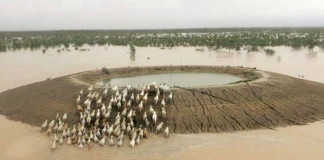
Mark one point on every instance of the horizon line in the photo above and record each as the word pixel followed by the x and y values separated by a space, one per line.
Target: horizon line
pixel 169 29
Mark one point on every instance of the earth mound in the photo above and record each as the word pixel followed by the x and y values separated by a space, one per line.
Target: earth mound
pixel 261 100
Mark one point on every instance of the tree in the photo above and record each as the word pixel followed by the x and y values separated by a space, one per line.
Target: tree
pixel 132 52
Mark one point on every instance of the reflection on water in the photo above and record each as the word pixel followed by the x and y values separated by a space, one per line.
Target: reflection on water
pixel 312 55
pixel 174 79
pixel 25 142
pixel 132 56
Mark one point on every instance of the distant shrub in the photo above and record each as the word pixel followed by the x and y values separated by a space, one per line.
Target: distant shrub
pixel 105 70
pixel 269 52
pixel 254 49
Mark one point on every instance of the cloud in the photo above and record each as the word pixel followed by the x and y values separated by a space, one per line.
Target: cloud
pixel 129 14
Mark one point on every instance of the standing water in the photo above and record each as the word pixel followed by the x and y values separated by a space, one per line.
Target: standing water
pixel 297 142
pixel 25 66
pixel 174 79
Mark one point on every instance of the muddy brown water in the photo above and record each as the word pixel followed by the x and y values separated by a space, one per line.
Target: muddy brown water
pixel 181 79
pixel 21 141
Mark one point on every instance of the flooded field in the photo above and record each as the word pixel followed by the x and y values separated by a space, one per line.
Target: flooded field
pixel 174 79
pixel 24 67
pixel 296 142
pixel 21 141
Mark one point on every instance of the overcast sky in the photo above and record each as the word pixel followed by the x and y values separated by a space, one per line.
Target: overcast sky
pixel 145 14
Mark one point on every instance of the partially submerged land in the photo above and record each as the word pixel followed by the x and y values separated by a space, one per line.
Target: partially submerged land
pixel 250 39
pixel 263 100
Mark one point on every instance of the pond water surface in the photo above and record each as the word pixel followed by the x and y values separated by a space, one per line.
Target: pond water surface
pixel 174 79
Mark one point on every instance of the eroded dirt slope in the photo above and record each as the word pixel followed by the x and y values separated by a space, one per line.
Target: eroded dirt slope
pixel 277 101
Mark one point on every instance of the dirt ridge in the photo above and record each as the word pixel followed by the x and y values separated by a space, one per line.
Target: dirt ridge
pixel 278 100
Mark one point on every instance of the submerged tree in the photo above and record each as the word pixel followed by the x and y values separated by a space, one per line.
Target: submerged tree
pixel 212 38
pixel 269 52
pixel 3 47
pixel 132 52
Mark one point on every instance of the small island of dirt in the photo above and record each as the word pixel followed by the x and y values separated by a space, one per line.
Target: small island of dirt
pixel 261 100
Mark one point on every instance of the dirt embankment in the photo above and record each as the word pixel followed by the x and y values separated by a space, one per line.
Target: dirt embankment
pixel 278 100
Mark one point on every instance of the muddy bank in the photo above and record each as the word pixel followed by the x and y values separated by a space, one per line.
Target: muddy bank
pixel 256 102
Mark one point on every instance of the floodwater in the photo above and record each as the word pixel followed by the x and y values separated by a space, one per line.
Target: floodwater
pixel 174 79
pixel 21 141
pixel 25 67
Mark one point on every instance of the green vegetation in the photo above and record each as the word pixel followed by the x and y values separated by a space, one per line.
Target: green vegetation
pixel 231 38
pixel 132 52
pixel 132 48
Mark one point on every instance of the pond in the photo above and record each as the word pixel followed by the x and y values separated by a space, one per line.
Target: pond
pixel 174 79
